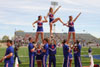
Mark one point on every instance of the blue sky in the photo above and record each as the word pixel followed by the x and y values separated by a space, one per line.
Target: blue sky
pixel 20 14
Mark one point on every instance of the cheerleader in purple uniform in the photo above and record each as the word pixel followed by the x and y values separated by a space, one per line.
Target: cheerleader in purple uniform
pixel 70 24
pixel 52 52
pixel 40 27
pixel 39 55
pixel 77 54
pixel 51 18
pixel 66 54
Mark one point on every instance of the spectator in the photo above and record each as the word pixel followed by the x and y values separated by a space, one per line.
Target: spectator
pixel 90 51
pixel 16 53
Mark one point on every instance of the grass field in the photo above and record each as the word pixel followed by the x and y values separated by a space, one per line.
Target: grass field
pixel 23 53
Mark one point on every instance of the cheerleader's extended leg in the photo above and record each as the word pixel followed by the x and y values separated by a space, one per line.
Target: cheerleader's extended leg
pixel 42 36
pixel 70 63
pixel 69 35
pixel 51 30
pixel 55 20
pixel 74 37
pixel 36 39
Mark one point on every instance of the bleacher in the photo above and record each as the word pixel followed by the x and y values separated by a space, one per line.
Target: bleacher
pixel 83 37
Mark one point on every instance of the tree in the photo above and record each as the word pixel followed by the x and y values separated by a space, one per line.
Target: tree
pixel 5 37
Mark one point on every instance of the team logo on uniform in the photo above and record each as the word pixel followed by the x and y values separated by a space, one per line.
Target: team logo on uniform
pixel 40 23
pixel 51 15
pixel 52 46
pixel 71 23
pixel 38 51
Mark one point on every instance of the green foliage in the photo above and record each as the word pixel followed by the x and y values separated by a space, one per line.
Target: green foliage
pixel 5 38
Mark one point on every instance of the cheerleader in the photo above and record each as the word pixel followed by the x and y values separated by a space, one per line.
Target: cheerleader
pixel 40 27
pixel 70 24
pixel 77 54
pixel 52 52
pixel 66 54
pixel 39 55
pixel 45 51
pixel 51 14
pixel 31 49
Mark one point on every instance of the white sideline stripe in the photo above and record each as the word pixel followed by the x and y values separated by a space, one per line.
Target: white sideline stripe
pixel 56 55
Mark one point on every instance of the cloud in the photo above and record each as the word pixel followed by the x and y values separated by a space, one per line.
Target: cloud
pixel 79 10
pixel 24 12
pixel 88 3
pixel 71 2
pixel 90 6
pixel 4 27
pixel 17 23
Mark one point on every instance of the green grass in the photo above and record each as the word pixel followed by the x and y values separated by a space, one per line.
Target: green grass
pixel 23 53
